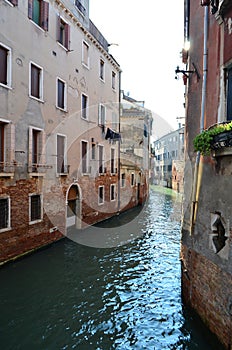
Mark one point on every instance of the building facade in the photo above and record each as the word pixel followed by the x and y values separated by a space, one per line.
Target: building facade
pixel 135 151
pixel 169 160
pixel 59 96
pixel 206 244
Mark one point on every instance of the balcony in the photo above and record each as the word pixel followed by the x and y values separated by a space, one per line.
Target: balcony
pixel 36 169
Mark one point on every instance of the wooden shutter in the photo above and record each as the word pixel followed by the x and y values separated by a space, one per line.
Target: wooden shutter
pixel 30 8
pixel 67 36
pixel 60 154
pixel 44 14
pixel 84 156
pixel 10 142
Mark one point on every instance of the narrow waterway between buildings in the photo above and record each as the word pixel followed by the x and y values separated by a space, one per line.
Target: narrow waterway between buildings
pixel 73 296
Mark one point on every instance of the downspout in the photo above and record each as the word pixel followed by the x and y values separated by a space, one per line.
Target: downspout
pixel 119 142
pixel 202 120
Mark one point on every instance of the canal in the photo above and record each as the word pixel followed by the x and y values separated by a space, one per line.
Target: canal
pixel 87 295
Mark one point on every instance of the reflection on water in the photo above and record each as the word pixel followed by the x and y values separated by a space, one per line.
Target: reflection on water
pixel 72 296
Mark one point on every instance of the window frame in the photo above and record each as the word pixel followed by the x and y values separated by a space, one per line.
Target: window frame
pixel 3 229
pixel 102 70
pixel 85 50
pixel 8 67
pixel 113 80
pixel 40 98
pixel 123 180
pixel 65 166
pixel 31 222
pixel 87 157
pixel 84 111
pixel 100 161
pixel 103 195
pixel 64 108
pixel 101 117
pixel 112 161
pixel 132 179
pixel 113 186
pixel 43 14
pixel 65 42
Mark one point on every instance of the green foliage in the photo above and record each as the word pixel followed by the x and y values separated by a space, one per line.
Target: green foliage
pixel 202 142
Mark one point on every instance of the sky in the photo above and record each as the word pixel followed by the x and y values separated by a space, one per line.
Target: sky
pixel 149 35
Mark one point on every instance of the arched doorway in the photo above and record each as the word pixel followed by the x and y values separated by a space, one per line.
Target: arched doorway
pixel 73 217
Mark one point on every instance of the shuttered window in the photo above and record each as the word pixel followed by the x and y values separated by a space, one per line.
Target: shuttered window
pixel 100 194
pixel 2 142
pixel 101 115
pixel 100 159
pixel 63 32
pixel 7 146
pixel 112 161
pixel 38 12
pixel 112 192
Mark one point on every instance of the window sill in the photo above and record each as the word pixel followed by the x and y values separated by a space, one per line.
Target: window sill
pixel 62 46
pixel 5 174
pixel 86 119
pixel 9 3
pixel 36 99
pixel 62 109
pixel 36 174
pixel 5 229
pixel 8 87
pixel 102 80
pixel 85 65
pixel 37 25
pixel 35 222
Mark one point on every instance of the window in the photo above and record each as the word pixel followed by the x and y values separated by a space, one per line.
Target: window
pixel 80 7
pixel 61 97
pixel 101 115
pixel 35 207
pixel 84 151
pixel 132 179
pixel 123 180
pixel 112 192
pixel 38 12
pixel 100 194
pixel 7 146
pixel 112 161
pixel 229 94
pixel 63 32
pixel 61 155
pixel 84 106
pixel 4 213
pixel 93 150
pixel 113 80
pixel 100 159
pixel 114 121
pixel 102 70
pixel 36 149
pixel 5 64
pixel 85 54
pixel 36 81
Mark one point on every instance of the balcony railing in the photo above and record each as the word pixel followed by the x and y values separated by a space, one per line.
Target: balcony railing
pixel 38 168
pixel 6 168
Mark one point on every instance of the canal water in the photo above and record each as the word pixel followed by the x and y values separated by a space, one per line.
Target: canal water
pixel 125 296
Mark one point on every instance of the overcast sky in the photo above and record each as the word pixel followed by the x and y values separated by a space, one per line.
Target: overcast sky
pixel 150 38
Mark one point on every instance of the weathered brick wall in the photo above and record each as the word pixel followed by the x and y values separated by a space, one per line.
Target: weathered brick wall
pixel 23 237
pixel 207 289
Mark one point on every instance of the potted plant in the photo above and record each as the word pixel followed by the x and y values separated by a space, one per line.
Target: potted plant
pixel 213 138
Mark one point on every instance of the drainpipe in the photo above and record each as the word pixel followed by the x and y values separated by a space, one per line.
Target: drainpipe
pixel 202 120
pixel 119 142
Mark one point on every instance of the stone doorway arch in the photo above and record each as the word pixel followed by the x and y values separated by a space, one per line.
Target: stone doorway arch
pixel 73 207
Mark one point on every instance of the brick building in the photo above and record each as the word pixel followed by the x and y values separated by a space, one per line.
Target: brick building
pixel 59 97
pixel 206 244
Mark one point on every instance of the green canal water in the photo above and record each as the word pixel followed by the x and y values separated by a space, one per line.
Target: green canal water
pixel 124 296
